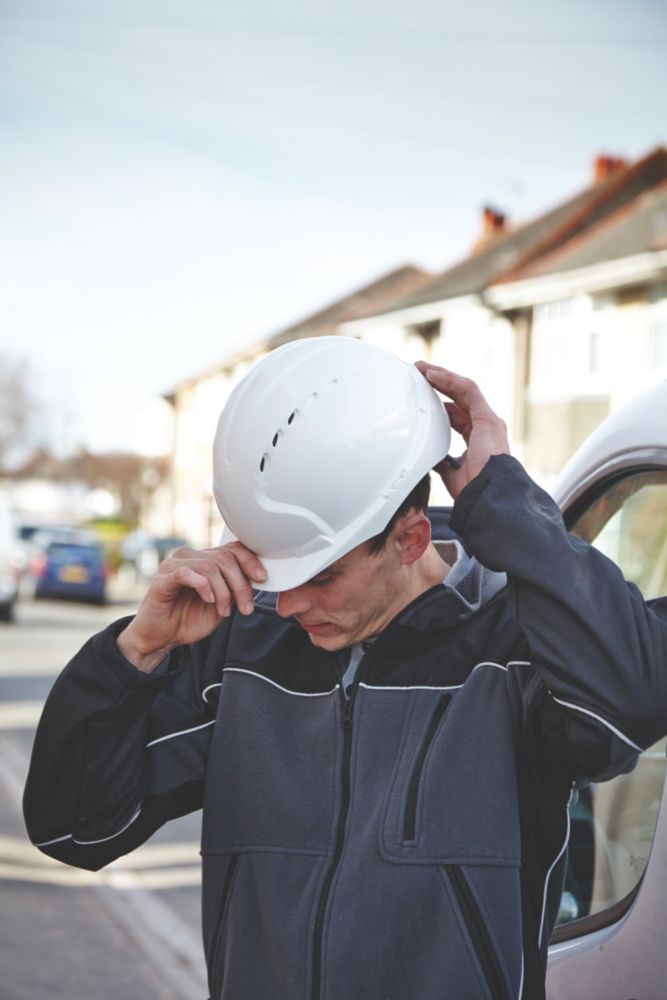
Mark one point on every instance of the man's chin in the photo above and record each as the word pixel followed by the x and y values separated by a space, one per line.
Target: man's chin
pixel 331 642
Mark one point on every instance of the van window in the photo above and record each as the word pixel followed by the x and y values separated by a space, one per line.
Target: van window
pixel 613 822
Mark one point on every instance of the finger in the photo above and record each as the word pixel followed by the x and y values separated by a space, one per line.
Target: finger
pixel 186 576
pixel 224 597
pixel 459 420
pixel 249 562
pixel 449 465
pixel 204 576
pixel 220 565
pixel 463 391
pixel 237 586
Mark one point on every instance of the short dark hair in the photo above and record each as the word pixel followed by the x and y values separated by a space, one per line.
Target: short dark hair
pixel 417 499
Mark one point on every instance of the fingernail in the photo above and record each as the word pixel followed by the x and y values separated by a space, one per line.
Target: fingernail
pixel 259 574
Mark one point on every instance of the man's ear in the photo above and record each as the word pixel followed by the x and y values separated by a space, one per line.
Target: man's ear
pixel 412 536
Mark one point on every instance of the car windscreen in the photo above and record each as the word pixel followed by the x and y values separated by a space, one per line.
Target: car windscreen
pixel 61 553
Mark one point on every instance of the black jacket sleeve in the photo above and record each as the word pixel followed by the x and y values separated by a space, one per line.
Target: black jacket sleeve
pixel 117 751
pixel 600 649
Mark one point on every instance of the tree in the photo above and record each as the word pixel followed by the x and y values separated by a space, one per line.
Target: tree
pixel 18 411
pixel 132 478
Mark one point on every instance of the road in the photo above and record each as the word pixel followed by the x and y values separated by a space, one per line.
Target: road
pixel 130 932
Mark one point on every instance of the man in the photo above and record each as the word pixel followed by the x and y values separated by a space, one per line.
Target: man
pixel 386 739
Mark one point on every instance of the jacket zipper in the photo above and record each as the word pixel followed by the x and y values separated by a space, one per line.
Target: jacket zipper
pixel 412 799
pixel 479 934
pixel 347 711
pixel 347 706
pixel 223 901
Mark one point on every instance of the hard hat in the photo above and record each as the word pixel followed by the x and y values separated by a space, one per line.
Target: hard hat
pixel 316 449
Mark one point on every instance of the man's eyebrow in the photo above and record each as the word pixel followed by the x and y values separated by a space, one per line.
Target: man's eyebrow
pixel 334 569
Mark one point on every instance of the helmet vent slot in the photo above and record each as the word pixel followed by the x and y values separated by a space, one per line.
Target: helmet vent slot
pixel 261 464
pixel 291 416
pixel 275 439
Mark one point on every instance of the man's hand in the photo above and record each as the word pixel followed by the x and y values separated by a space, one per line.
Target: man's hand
pixel 484 433
pixel 192 591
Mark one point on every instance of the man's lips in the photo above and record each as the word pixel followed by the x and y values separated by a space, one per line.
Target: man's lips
pixel 316 627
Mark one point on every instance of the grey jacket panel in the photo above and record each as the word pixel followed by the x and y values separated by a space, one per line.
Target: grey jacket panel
pixel 275 796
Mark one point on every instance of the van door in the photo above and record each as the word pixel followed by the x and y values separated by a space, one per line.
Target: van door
pixel 609 938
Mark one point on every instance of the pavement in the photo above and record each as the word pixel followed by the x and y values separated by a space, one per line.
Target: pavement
pixel 129 932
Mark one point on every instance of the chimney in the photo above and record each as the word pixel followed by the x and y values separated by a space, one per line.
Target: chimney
pixel 494 226
pixel 604 166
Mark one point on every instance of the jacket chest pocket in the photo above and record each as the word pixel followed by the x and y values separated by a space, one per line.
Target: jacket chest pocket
pixel 271 780
pixel 452 797
pixel 415 775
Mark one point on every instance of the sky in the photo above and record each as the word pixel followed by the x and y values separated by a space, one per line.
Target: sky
pixel 180 179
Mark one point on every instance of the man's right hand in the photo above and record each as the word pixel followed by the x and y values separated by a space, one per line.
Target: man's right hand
pixel 191 593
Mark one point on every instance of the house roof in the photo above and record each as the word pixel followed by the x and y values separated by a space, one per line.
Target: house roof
pixel 508 257
pixel 636 228
pixel 366 300
pixel 363 301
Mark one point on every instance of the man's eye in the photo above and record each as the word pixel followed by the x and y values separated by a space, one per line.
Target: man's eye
pixel 322 581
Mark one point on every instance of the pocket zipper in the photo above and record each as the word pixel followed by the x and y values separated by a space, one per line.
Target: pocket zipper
pixel 412 798
pixel 223 905
pixel 479 934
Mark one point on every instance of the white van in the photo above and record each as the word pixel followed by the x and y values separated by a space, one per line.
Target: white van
pixel 609 941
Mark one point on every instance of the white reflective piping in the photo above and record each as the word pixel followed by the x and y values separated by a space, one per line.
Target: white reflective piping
pixel 297 694
pixel 551 868
pixel 210 686
pixel 87 843
pixel 489 663
pixel 181 732
pixel 523 972
pixel 587 711
pixel 414 687
pixel 57 840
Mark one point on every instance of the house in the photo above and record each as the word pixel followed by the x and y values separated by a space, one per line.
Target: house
pixel 558 319
pixel 484 316
pixel 593 314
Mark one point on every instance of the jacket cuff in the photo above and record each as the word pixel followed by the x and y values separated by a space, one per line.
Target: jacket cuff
pixel 124 674
pixel 498 468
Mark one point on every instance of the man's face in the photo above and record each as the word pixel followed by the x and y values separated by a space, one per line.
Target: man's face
pixel 351 600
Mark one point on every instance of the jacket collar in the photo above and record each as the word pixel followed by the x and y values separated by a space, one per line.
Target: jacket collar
pixel 467 587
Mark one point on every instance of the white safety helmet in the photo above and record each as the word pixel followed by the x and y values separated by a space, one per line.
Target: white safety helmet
pixel 316 449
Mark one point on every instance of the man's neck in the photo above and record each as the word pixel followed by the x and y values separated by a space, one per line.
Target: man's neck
pixel 430 569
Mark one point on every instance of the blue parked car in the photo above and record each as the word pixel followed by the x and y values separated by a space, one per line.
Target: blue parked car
pixel 71 569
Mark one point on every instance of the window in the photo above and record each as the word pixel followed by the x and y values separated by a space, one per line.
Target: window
pixel 429 331
pixel 658 335
pixel 612 823
pixel 595 352
pixel 560 309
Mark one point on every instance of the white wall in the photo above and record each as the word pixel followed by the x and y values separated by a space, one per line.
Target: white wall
pixel 473 342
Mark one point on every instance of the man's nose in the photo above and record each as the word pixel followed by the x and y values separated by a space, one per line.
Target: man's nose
pixel 292 602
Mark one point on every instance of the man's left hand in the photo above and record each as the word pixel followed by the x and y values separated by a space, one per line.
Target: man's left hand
pixel 484 433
